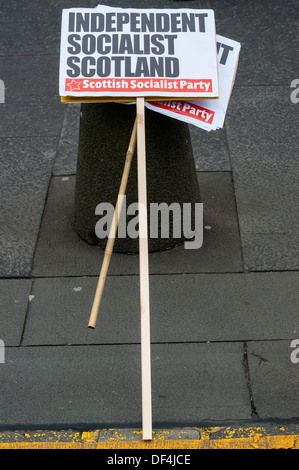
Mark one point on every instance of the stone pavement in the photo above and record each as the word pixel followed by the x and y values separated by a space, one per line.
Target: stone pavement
pixel 222 318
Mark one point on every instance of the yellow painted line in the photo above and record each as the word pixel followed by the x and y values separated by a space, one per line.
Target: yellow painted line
pixel 208 438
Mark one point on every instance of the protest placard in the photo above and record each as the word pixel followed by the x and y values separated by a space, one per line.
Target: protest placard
pixel 116 54
pixel 207 114
pixel 120 53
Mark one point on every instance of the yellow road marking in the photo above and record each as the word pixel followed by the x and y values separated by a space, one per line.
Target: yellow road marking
pixel 208 438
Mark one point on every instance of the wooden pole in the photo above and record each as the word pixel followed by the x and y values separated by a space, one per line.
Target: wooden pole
pixel 113 229
pixel 144 275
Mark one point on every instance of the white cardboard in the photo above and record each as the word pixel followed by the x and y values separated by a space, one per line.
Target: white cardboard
pixel 207 114
pixel 116 52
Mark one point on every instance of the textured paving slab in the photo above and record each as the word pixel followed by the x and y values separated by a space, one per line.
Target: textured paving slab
pixel 31 120
pixel 101 385
pixel 60 252
pixel 24 179
pixel 24 78
pixel 214 307
pixel 263 136
pixel 268 34
pixel 45 11
pixel 210 150
pixel 31 38
pixel 274 379
pixel 14 296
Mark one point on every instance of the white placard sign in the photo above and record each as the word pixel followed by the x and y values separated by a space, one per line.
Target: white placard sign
pixel 122 52
pixel 207 114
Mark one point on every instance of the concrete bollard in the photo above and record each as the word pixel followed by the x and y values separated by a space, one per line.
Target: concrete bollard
pixel 105 130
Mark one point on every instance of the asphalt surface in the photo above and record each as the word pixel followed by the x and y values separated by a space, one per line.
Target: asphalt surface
pixel 224 318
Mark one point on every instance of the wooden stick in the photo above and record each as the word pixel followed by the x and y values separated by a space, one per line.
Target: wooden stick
pixel 144 275
pixel 113 229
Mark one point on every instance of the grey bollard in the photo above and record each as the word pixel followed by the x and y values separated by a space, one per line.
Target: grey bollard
pixel 105 130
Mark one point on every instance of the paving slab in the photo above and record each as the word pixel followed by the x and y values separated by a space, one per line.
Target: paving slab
pixel 24 38
pixel 46 11
pixel 184 308
pixel 210 149
pixel 30 120
pixel 24 179
pixel 60 309
pixel 274 378
pixel 264 145
pixel 24 78
pixel 60 252
pixel 268 35
pixel 100 385
pixel 14 294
